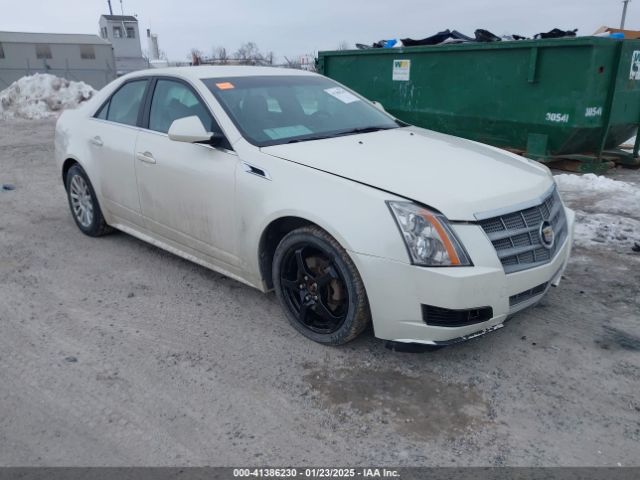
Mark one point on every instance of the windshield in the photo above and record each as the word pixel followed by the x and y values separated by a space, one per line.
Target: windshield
pixel 271 110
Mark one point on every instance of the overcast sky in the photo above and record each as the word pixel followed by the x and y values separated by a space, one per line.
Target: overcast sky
pixel 294 27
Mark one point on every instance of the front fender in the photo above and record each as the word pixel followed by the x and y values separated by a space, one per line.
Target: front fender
pixel 354 214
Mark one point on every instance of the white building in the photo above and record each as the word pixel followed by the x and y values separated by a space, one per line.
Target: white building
pixel 123 33
pixel 79 57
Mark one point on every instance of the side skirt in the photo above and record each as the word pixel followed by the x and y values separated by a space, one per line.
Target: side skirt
pixel 176 250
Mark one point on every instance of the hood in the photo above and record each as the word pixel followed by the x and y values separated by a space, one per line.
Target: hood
pixel 458 177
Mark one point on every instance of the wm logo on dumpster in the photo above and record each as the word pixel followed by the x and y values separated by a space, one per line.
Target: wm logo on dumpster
pixel 401 70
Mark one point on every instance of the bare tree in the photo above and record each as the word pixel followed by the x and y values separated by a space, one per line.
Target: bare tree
pixel 195 56
pixel 344 45
pixel 219 55
pixel 295 63
pixel 249 54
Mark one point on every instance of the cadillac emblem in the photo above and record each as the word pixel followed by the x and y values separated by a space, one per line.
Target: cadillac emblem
pixel 547 235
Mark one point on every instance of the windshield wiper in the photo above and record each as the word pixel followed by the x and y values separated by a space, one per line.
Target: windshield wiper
pixel 352 131
pixel 307 139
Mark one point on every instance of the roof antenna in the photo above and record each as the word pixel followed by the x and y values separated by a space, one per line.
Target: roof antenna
pixel 110 9
pixel 124 27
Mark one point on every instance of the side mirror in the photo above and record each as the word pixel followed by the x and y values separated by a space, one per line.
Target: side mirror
pixel 378 105
pixel 189 129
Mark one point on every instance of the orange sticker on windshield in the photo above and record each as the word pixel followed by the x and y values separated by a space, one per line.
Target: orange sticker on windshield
pixel 224 85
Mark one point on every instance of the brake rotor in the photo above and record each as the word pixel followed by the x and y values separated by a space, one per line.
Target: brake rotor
pixel 336 294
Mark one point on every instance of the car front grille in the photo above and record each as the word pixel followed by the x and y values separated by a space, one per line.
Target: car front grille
pixel 516 235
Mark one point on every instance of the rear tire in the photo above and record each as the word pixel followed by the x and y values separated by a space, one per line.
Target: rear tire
pixel 83 203
pixel 319 287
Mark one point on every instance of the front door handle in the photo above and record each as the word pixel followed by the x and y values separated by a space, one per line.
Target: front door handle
pixel 146 157
pixel 97 141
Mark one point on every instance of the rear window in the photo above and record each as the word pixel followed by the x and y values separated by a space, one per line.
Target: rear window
pixel 102 113
pixel 125 103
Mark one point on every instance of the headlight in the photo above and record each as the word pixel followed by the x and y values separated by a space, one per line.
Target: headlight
pixel 428 236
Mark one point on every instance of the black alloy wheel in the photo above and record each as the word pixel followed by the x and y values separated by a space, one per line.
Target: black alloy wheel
pixel 319 287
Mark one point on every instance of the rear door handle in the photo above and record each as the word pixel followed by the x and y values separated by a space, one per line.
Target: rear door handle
pixel 146 157
pixel 97 141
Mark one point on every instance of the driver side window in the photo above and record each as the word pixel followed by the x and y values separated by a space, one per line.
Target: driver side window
pixel 173 100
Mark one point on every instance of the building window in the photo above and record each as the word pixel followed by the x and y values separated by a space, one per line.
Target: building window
pixel 103 32
pixel 131 32
pixel 43 51
pixel 87 52
pixel 1 51
pixel 117 32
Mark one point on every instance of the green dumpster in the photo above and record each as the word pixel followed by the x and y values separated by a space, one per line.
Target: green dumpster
pixel 569 98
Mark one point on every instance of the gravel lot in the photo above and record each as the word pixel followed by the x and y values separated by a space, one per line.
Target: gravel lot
pixel 113 352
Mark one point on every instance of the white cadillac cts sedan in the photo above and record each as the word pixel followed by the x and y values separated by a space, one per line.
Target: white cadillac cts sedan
pixel 286 180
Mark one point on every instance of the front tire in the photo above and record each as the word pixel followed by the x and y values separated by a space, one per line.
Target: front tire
pixel 83 203
pixel 319 287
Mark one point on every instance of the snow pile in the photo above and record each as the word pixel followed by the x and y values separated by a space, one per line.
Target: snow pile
pixel 42 95
pixel 590 181
pixel 606 210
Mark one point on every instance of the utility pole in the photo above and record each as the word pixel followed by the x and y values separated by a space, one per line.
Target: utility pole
pixel 110 9
pixel 624 13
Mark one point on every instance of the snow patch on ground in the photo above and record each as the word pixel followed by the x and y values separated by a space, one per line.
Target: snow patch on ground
pixel 42 95
pixel 606 229
pixel 590 181
pixel 607 210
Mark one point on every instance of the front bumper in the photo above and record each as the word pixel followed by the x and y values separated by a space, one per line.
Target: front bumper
pixel 397 290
